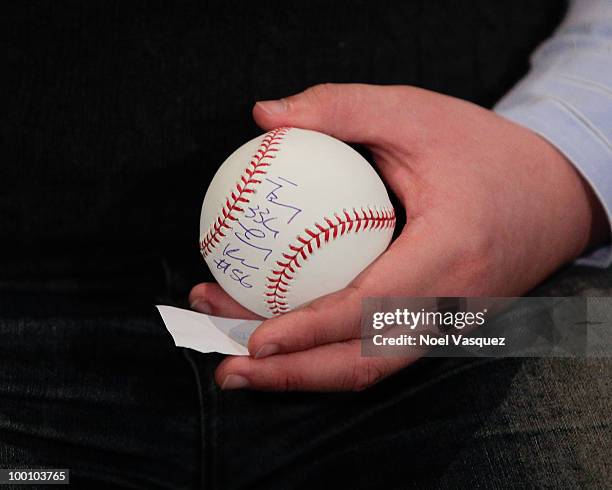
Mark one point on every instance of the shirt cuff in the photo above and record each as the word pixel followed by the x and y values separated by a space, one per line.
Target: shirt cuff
pixel 573 134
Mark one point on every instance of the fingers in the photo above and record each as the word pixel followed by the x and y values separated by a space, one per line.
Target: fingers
pixel 331 367
pixel 332 318
pixel 410 266
pixel 209 298
pixel 356 113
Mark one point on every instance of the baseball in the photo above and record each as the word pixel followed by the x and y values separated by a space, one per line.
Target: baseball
pixel 290 216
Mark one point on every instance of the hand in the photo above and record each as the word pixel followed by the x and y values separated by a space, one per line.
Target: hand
pixel 491 207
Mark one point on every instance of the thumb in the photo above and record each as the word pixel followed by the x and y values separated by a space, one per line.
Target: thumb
pixel 356 113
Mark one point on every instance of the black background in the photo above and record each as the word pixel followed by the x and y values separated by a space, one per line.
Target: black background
pixel 115 115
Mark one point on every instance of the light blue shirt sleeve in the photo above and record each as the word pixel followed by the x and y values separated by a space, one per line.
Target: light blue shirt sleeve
pixel 567 99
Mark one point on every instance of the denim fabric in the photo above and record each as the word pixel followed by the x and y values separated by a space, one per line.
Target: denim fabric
pixel 97 387
pixel 438 424
pixel 94 383
pixel 100 389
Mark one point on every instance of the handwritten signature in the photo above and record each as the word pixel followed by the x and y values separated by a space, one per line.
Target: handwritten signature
pixel 254 228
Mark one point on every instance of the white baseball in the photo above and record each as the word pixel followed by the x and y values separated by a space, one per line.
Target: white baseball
pixel 290 216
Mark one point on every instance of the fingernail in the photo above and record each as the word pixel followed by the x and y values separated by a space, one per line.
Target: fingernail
pixel 267 350
pixel 234 382
pixel 201 306
pixel 273 107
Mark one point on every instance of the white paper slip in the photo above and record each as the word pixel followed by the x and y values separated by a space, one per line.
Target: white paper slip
pixel 207 333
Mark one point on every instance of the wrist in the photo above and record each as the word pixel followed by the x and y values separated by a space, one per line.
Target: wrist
pixel 599 232
pixel 588 157
pixel 581 218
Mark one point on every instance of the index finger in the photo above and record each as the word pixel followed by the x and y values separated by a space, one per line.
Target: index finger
pixel 332 318
pixel 412 266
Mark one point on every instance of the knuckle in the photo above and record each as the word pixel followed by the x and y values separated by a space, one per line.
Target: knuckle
pixel 365 374
pixel 473 242
pixel 198 291
pixel 317 336
pixel 322 91
pixel 314 334
pixel 289 382
pixel 326 98
pixel 474 259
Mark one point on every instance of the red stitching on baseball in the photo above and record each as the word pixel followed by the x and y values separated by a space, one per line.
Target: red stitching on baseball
pixel 282 275
pixel 238 196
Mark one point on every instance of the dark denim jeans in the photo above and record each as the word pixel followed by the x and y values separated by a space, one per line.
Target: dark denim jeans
pixel 98 387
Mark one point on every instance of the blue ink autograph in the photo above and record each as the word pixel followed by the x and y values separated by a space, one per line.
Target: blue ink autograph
pixel 250 234
pixel 234 273
pixel 256 224
pixel 232 253
pixel 272 197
